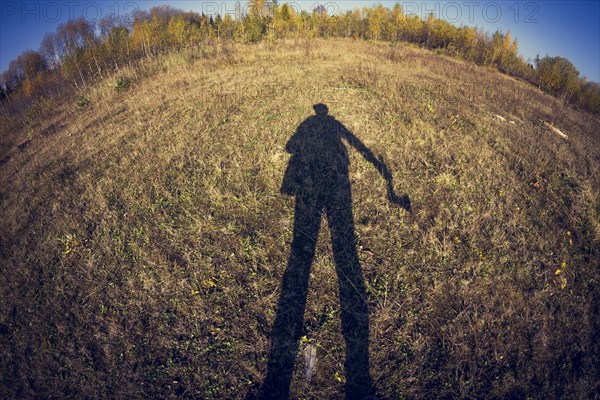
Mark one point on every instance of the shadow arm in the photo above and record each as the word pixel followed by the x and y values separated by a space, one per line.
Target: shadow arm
pixel 379 164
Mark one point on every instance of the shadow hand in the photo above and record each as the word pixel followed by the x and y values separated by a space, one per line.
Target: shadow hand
pixel 403 201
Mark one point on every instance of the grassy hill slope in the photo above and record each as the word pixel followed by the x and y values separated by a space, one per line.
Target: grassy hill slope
pixel 144 238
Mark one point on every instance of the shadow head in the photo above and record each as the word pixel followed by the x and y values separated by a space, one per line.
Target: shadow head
pixel 321 109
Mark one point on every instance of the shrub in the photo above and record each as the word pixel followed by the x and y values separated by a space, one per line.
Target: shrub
pixel 82 102
pixel 122 84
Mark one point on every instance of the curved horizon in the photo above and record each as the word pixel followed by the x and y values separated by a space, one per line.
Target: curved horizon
pixel 557 28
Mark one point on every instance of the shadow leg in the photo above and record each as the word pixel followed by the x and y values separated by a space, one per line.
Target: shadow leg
pixel 355 314
pixel 288 326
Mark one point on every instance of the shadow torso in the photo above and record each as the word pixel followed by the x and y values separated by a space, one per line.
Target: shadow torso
pixel 319 164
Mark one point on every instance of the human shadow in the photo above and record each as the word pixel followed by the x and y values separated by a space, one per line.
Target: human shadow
pixel 318 176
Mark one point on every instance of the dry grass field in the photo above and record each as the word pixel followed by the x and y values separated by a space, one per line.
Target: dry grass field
pixel 143 236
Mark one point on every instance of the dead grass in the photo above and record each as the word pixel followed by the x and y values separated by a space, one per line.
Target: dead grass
pixel 143 242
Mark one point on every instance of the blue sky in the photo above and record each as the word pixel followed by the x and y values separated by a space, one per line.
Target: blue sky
pixel 567 28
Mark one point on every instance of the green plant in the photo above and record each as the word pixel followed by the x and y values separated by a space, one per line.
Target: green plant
pixel 82 102
pixel 122 83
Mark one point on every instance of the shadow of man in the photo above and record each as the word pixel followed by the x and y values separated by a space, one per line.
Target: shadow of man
pixel 318 175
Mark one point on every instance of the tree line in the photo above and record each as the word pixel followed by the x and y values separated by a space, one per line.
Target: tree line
pixel 81 53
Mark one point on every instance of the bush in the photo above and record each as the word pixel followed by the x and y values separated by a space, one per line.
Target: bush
pixel 122 84
pixel 82 101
